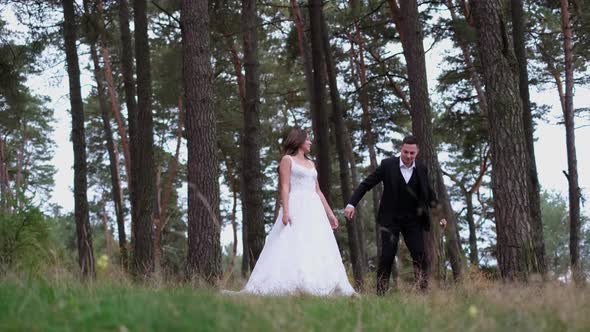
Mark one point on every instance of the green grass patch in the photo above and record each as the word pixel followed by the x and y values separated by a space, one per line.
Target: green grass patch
pixel 34 305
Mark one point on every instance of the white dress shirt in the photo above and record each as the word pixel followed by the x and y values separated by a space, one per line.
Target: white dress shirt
pixel 407 171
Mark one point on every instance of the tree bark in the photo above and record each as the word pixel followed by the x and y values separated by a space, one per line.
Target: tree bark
pixel 508 141
pixel 303 49
pixel 473 254
pixel 364 99
pixel 319 114
pixel 238 69
pixel 245 256
pixel 114 98
pixel 127 67
pixel 232 177
pixel 107 233
pixel 353 228
pixel 83 231
pixel 245 268
pixel 366 118
pixel 410 31
pixel 20 164
pixel 160 224
pixel 351 158
pixel 518 32
pixel 116 191
pixel 473 74
pixel 4 185
pixel 251 165
pixel 570 135
pixel 468 195
pixel 129 86
pixel 204 248
pixel 144 174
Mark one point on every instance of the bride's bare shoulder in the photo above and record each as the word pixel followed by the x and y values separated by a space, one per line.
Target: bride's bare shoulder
pixel 286 160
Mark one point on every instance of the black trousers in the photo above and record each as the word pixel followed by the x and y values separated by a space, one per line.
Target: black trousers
pixel 412 231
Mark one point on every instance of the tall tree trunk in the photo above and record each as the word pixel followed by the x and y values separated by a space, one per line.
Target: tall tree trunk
pixel 238 69
pixel 473 74
pixel 20 164
pixel 366 118
pixel 473 254
pixel 116 108
pixel 508 141
pixel 204 248
pixel 127 68
pixel 4 186
pixel 352 160
pixel 570 136
pixel 245 269
pixel 549 61
pixel 319 114
pixel 410 31
pixel 84 236
pixel 518 32
pixel 116 191
pixel 303 49
pixel 468 195
pixel 364 99
pixel 251 166
pixel 160 223
pixel 353 228
pixel 107 233
pixel 143 174
pixel 245 256
pixel 234 227
pixel 113 96
pixel 232 177
pixel 129 85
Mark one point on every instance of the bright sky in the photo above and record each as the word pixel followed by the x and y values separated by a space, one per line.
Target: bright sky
pixel 549 148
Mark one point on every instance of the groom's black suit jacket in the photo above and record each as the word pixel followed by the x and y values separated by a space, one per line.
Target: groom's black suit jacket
pixel 390 174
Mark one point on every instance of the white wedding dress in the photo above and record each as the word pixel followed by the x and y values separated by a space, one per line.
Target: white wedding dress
pixel 301 257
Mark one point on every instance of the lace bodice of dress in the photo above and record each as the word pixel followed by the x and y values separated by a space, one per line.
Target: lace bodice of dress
pixel 302 178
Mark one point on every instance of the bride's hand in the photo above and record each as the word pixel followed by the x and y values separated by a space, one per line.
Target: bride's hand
pixel 286 219
pixel 333 221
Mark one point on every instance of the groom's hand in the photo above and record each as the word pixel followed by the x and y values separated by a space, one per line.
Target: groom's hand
pixel 349 212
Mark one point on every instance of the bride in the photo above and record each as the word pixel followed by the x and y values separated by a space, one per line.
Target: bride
pixel 300 254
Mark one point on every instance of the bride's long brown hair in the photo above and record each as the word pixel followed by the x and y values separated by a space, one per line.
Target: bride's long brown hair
pixel 294 140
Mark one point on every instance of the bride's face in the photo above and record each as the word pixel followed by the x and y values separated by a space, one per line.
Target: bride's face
pixel 306 146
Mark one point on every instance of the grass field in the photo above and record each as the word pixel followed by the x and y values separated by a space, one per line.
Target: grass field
pixel 43 305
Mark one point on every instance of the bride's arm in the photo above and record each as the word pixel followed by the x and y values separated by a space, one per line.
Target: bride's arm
pixel 327 208
pixel 284 186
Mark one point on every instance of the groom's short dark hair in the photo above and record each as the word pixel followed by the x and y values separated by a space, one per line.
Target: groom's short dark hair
pixel 411 140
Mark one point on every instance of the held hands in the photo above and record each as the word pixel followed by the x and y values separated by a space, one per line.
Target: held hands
pixel 349 212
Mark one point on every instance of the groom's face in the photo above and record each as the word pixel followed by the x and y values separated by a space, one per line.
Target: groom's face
pixel 409 153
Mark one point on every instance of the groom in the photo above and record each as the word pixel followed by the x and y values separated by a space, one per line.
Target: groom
pixel 404 208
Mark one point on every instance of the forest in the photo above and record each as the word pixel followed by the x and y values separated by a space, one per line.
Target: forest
pixel 175 113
